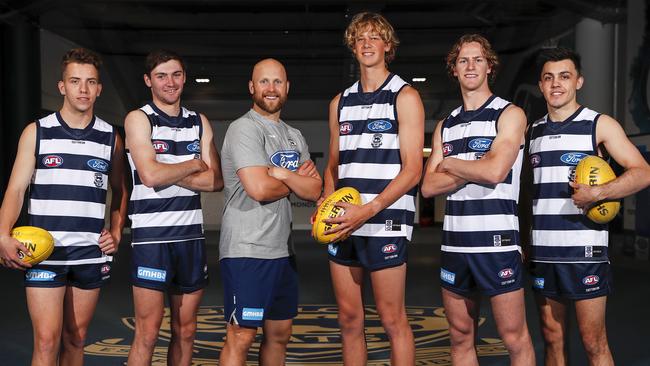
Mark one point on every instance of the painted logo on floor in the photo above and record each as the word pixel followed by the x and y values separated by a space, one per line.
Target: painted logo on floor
pixel 315 341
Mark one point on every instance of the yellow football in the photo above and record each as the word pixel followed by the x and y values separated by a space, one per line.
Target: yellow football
pixel 593 170
pixel 327 210
pixel 39 242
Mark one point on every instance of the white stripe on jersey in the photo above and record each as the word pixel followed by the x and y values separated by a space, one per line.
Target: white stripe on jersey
pixel 102 259
pixel 556 206
pixel 167 218
pixel 364 141
pixel 507 248
pixel 554 174
pixel 457 132
pixel 51 121
pixel 148 110
pixel 406 202
pixel 60 146
pixel 469 192
pixel 66 208
pixel 360 112
pixel 369 171
pixel 145 193
pixel 379 230
pixel 65 176
pixel 166 241
pixel 480 223
pixel 578 142
pixel 176 134
pixel 76 239
pixel 559 238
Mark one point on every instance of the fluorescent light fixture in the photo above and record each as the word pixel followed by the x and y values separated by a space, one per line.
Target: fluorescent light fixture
pixel 419 80
pixel 202 80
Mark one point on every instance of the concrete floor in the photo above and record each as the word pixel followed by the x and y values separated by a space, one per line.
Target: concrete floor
pixel 316 340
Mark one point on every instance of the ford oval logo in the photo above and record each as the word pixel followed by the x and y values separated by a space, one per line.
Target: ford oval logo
pixel 379 126
pixel 287 159
pixel 98 165
pixel 447 148
pixel 345 128
pixel 52 161
pixel 590 280
pixel 480 144
pixel 572 158
pixel 535 159
pixel 506 273
pixel 389 248
pixel 160 146
pixel 194 147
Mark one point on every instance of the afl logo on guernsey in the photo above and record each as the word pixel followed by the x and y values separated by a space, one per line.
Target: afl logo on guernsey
pixel 52 161
pixel 389 248
pixel 160 146
pixel 98 165
pixel 535 160
pixel 480 144
pixel 287 159
pixel 447 148
pixel 194 147
pixel 506 273
pixel 590 280
pixel 345 128
pixel 572 158
pixel 379 126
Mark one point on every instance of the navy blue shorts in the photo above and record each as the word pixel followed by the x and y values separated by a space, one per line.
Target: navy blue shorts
pixel 576 281
pixel 259 289
pixel 84 276
pixel 179 266
pixel 488 273
pixel 370 252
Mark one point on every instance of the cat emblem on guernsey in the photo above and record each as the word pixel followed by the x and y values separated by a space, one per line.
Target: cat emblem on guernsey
pixel 160 146
pixel 52 161
pixel 288 159
pixel 194 147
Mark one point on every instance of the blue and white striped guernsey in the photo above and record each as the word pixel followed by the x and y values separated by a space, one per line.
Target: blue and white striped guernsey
pixel 67 195
pixel 480 218
pixel 369 155
pixel 171 213
pixel 561 233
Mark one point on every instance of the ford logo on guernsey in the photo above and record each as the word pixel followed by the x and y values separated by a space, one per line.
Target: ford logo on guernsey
pixel 39 275
pixel 52 161
pixel 590 280
pixel 98 165
pixel 480 144
pixel 287 159
pixel 572 158
pixel 506 273
pixel 389 248
pixel 345 128
pixel 160 146
pixel 152 274
pixel 194 147
pixel 379 126
pixel 447 148
pixel 252 314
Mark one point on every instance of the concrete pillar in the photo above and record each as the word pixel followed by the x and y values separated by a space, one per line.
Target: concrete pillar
pixel 595 43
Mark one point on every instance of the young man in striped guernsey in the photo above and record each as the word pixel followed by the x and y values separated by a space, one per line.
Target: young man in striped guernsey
pixel 67 159
pixel 264 161
pixel 570 264
pixel 376 139
pixel 173 159
pixel 476 160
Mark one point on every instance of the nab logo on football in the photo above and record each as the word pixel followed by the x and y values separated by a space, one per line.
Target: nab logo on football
pixel 480 144
pixel 447 148
pixel 345 128
pixel 506 273
pixel 160 146
pixel 572 158
pixel 389 248
pixel 590 280
pixel 52 161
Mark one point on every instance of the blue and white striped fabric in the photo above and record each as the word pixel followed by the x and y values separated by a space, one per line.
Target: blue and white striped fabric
pixel 561 233
pixel 369 154
pixel 480 218
pixel 172 213
pixel 67 195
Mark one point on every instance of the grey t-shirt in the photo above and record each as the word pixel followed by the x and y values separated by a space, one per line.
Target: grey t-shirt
pixel 250 228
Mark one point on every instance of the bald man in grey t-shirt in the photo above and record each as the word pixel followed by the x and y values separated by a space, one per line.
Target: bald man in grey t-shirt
pixel 264 160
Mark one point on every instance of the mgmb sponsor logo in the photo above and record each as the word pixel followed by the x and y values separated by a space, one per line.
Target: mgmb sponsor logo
pixel 480 144
pixel 379 126
pixel 52 161
pixel 252 314
pixel 152 274
pixel 449 277
pixel 39 275
pixel 288 159
pixel 590 280
pixel 160 146
pixel 572 158
pixel 538 282
pixel 98 165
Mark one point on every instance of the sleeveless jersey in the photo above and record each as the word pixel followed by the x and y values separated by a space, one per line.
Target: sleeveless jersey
pixel 480 218
pixel 67 195
pixel 369 154
pixel 561 233
pixel 170 213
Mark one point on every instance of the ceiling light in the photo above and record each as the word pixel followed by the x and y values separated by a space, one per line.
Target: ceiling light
pixel 419 80
pixel 202 80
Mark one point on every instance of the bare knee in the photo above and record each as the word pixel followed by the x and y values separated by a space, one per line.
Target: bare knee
pixel 462 335
pixel 47 342
pixel 184 332
pixel 595 344
pixel 240 339
pixel 351 322
pixel 516 340
pixel 74 338
pixel 553 336
pixel 394 323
